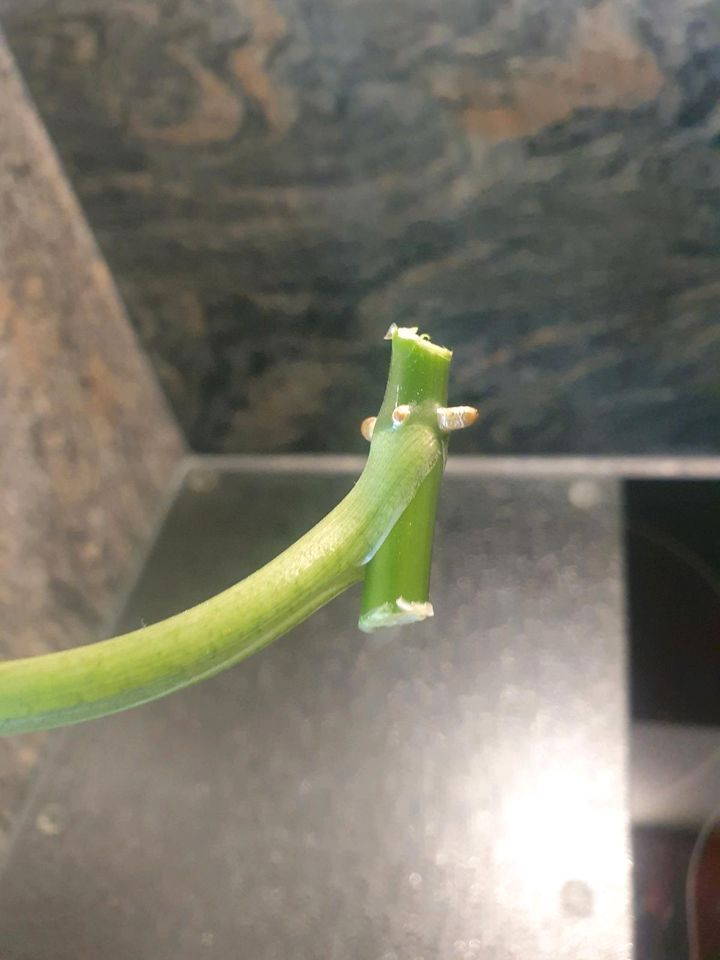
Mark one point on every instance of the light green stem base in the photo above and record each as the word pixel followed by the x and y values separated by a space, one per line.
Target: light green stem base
pixel 397 580
pixel 112 675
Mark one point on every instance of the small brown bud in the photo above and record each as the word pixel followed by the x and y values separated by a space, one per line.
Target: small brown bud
pixel 401 413
pixel 367 427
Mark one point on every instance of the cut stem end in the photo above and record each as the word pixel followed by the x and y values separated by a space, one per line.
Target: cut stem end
pixel 395 614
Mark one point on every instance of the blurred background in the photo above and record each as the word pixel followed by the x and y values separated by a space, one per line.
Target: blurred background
pixel 268 184
pixel 273 182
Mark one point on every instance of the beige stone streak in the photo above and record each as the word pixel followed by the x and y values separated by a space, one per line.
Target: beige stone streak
pixel 215 117
pixel 87 446
pixel 603 67
pixel 249 64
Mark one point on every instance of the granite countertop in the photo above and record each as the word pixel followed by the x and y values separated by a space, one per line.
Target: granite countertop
pixel 274 182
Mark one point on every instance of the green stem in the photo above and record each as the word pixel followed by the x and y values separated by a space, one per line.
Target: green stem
pixel 102 678
pixel 397 580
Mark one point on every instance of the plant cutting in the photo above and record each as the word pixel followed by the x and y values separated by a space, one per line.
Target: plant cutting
pixel 381 533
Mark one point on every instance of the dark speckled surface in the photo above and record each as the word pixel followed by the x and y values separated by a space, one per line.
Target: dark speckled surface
pixel 275 181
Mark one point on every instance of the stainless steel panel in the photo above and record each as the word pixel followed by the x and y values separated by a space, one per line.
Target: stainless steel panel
pixel 454 790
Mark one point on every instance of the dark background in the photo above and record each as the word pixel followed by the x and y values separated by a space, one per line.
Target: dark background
pixel 274 181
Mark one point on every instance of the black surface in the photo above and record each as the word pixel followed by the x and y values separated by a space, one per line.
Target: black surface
pixel 673 564
pixel 661 859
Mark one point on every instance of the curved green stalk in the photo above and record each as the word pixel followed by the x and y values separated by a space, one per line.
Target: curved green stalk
pixel 102 678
